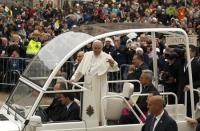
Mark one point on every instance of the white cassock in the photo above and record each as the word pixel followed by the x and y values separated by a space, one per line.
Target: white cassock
pixel 95 68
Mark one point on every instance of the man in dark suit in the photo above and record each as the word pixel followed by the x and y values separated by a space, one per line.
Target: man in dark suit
pixel 138 62
pixel 172 73
pixel 71 109
pixel 56 106
pixel 195 66
pixel 147 87
pixel 158 120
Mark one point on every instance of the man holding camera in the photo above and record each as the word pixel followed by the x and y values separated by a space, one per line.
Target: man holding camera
pixel 171 75
pixel 195 66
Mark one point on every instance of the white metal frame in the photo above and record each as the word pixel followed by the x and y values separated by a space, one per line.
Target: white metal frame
pixel 126 102
pixel 151 30
pixel 163 94
pixel 134 104
pixel 133 81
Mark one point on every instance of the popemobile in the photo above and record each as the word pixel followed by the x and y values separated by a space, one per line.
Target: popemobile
pixel 33 91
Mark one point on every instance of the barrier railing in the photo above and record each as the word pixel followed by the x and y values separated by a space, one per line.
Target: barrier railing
pixel 11 68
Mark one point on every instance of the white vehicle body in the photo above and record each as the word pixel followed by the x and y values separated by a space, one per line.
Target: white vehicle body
pixel 20 107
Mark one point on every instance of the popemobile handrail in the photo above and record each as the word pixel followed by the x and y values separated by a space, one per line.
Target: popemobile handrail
pixel 78 83
pixel 104 122
pixel 133 81
pixel 164 93
pixel 129 106
pixel 64 80
pixel 147 94
pixel 195 90
pixel 121 81
pixel 43 77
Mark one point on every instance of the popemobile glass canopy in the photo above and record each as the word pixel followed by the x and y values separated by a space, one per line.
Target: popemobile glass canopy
pixel 55 50
pixel 47 59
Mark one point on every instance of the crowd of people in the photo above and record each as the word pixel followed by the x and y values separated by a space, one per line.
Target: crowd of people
pixel 26 30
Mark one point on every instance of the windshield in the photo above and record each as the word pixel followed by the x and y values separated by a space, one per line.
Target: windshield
pixel 22 99
pixel 50 55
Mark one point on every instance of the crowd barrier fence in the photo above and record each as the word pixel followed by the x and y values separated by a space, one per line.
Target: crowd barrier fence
pixel 11 68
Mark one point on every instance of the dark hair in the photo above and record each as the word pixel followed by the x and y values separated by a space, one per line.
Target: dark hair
pixel 70 95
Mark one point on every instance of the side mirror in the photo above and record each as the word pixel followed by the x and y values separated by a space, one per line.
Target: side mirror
pixel 35 121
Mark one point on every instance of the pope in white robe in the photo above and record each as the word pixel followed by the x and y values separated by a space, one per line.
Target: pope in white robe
pixel 94 67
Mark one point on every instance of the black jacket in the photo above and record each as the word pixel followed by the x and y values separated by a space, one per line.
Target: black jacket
pixel 166 123
pixel 142 100
pixel 70 114
pixel 136 74
pixel 54 110
pixel 121 55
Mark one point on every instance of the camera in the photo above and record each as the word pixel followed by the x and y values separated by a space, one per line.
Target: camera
pixel 171 55
pixel 165 76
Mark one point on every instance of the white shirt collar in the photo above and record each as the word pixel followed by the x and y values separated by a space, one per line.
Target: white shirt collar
pixel 68 105
pixel 159 116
